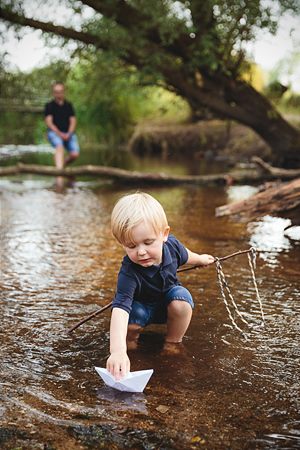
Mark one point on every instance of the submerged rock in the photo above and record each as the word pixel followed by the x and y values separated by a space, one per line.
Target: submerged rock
pixel 114 437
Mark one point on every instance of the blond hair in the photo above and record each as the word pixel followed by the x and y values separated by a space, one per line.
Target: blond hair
pixel 133 209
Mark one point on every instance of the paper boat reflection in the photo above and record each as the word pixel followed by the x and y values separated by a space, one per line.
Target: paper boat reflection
pixel 133 382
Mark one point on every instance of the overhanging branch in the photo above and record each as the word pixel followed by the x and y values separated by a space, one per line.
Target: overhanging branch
pixel 49 27
pixel 129 56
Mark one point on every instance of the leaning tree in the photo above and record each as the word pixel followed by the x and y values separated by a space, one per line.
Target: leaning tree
pixel 194 47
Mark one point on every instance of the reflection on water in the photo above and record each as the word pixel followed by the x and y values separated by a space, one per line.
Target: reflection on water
pixel 103 155
pixel 269 236
pixel 59 263
pixel 10 151
pixel 236 193
pixel 125 400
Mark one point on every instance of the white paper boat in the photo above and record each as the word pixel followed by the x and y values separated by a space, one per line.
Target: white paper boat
pixel 133 382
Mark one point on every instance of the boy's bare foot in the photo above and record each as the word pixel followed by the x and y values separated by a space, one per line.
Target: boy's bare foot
pixel 132 344
pixel 133 334
pixel 173 348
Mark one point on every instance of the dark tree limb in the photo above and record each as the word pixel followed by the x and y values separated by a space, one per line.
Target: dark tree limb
pixel 49 27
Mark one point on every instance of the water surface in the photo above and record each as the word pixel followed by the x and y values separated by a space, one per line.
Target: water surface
pixel 59 263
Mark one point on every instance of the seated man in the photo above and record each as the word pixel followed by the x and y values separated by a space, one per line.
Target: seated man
pixel 61 122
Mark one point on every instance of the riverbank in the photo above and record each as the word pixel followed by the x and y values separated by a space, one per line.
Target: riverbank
pixel 212 140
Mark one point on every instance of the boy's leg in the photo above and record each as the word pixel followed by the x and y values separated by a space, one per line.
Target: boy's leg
pixel 138 319
pixel 180 309
pixel 133 334
pixel 179 317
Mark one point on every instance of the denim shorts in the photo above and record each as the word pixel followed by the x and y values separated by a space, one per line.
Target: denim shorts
pixel 71 145
pixel 145 313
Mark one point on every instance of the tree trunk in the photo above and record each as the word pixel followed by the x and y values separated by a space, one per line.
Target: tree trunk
pixel 282 137
pixel 239 101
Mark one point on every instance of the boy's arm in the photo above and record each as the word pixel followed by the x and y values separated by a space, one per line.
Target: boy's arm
pixel 118 363
pixel 201 260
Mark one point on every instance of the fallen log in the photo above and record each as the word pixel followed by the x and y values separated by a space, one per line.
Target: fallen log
pixel 278 198
pixel 134 177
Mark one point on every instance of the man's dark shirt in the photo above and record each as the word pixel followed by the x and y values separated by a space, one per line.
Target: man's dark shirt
pixel 149 284
pixel 61 114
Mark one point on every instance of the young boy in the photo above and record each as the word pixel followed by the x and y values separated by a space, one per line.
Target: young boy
pixel 148 290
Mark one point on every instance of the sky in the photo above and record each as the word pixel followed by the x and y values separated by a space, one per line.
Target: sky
pixel 267 51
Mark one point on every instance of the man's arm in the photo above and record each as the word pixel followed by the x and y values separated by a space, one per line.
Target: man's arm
pixel 52 126
pixel 72 125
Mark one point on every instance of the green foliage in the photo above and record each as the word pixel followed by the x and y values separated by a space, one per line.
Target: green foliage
pixel 184 45
pixel 289 103
pixel 280 92
pixel 208 35
pixel 109 99
pixel 101 92
pixel 36 84
pixel 275 90
pixel 18 129
pixel 19 90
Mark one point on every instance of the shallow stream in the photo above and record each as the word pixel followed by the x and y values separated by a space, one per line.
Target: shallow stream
pixel 59 263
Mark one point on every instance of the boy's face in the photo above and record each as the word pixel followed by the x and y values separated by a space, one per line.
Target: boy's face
pixel 147 247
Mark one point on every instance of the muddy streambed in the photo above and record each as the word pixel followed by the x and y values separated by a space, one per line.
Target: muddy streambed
pixel 59 263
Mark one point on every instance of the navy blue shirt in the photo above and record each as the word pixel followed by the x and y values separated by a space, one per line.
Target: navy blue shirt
pixel 148 284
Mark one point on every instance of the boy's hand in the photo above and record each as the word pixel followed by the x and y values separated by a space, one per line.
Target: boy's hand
pixel 199 260
pixel 118 364
pixel 205 259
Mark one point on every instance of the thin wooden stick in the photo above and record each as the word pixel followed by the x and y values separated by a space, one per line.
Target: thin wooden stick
pixel 94 314
pixel 240 252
